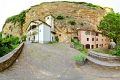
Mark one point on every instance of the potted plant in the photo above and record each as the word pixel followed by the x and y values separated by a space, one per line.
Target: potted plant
pixel 80 59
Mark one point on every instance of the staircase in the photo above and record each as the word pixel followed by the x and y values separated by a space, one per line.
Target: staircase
pixel 103 59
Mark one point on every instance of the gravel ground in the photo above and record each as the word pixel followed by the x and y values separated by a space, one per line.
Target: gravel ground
pixel 54 62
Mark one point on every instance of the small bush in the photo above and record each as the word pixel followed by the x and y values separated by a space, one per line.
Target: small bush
pixel 0 34
pixel 77 45
pixel 23 38
pixel 116 52
pixel 17 18
pixel 56 39
pixel 80 57
pixel 72 22
pixel 60 17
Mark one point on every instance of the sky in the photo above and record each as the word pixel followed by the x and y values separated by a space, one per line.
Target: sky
pixel 12 7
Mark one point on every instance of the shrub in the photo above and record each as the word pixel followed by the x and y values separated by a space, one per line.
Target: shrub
pixel 87 4
pixel 0 34
pixel 23 38
pixel 116 52
pixel 60 17
pixel 72 22
pixel 17 18
pixel 56 39
pixel 8 44
pixel 80 57
pixel 77 45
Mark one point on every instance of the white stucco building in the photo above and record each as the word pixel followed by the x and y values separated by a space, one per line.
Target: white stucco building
pixel 40 31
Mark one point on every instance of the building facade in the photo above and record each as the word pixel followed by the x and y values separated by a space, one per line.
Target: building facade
pixel 41 32
pixel 93 39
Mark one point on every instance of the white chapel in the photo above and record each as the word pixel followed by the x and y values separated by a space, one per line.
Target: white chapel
pixel 40 31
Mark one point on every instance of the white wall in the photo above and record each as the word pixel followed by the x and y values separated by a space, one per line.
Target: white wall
pixel 41 27
pixel 46 33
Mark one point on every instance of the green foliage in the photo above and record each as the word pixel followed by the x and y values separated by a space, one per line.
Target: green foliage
pixel 90 5
pixel 56 39
pixel 7 44
pixel 72 22
pixel 17 18
pixel 87 4
pixel 0 34
pixel 23 38
pixel 116 52
pixel 83 52
pixel 60 17
pixel 80 57
pixel 110 26
pixel 77 45
pixel 94 6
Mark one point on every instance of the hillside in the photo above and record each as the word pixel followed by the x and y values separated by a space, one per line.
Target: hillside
pixel 68 17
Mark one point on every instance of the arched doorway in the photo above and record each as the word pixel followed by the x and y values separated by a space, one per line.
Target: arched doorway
pixel 87 46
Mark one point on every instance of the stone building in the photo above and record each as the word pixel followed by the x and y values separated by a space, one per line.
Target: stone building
pixel 93 39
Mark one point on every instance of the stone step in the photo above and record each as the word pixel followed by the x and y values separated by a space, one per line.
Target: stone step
pixel 103 63
pixel 106 60
pixel 103 56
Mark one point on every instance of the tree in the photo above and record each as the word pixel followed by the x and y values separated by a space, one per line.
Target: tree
pixel 0 34
pixel 110 26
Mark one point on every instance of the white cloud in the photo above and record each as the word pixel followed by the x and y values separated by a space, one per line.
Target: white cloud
pixel 13 7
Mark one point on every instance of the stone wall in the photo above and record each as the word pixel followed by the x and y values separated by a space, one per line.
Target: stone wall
pixel 7 60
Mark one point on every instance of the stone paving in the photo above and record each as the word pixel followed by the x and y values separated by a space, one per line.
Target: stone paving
pixel 54 62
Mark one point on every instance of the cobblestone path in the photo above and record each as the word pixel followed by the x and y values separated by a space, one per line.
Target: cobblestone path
pixel 54 62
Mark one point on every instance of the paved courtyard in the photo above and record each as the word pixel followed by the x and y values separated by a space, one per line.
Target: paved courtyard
pixel 54 62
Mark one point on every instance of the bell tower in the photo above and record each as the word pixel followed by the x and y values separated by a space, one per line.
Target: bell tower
pixel 50 21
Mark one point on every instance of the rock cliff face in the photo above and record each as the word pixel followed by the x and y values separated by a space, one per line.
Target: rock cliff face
pixel 68 17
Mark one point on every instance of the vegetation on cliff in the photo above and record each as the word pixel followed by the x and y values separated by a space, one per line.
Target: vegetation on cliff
pixel 87 4
pixel 20 18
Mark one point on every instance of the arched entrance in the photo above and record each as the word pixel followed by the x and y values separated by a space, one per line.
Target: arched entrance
pixel 87 46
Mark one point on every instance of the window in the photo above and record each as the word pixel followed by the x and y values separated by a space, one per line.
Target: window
pixel 101 45
pixel 92 39
pixel 97 34
pixel 87 39
pixel 52 38
pixel 29 38
pixel 34 37
pixel 87 32
pixel 96 45
pixel 96 39
pixel 92 46
pixel 33 26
